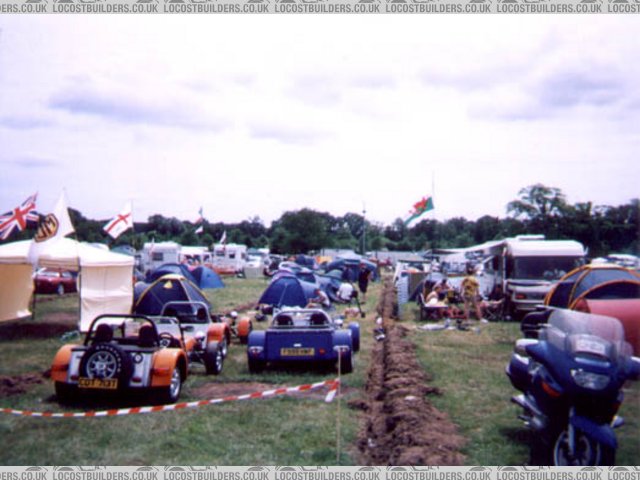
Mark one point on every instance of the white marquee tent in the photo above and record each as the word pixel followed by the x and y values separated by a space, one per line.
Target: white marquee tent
pixel 105 278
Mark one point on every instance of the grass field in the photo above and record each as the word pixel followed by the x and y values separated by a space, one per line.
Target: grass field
pixel 467 367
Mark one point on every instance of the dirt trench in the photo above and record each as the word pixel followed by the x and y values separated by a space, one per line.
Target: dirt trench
pixel 401 427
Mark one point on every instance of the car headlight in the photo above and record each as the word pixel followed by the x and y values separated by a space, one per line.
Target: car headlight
pixel 592 381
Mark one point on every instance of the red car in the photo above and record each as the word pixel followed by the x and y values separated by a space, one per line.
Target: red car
pixel 54 281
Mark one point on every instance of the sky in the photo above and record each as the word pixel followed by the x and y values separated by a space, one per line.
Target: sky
pixel 253 115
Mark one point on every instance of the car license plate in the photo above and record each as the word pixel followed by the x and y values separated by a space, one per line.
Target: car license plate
pixel 297 352
pixel 103 383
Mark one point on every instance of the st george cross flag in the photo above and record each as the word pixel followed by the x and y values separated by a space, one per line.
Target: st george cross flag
pixel 19 218
pixel 120 223
pixel 420 208
pixel 56 225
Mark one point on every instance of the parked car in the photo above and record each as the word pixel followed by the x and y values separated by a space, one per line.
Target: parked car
pixel 120 354
pixel 304 335
pixel 608 289
pixel 206 337
pixel 49 280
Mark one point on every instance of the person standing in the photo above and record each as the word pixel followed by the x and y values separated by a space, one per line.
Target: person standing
pixel 364 275
pixel 470 293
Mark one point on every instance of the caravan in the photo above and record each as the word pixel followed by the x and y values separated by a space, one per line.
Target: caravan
pixel 156 254
pixel 229 258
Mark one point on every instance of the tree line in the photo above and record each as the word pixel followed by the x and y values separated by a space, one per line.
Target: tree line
pixel 538 209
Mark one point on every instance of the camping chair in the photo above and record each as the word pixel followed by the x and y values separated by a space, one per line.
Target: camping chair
pixel 494 310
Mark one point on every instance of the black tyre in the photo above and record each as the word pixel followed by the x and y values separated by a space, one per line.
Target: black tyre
pixel 346 363
pixel 107 361
pixel 213 359
pixel 171 393
pixel 65 393
pixel 224 347
pixel 588 452
pixel 256 366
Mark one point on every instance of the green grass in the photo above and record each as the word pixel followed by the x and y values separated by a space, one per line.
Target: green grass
pixel 286 430
pixel 468 368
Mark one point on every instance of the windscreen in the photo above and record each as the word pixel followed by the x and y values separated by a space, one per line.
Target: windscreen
pixel 543 268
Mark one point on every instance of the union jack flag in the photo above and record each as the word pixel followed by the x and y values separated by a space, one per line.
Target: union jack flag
pixel 19 218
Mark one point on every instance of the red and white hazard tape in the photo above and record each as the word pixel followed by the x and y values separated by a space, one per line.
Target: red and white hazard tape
pixel 332 384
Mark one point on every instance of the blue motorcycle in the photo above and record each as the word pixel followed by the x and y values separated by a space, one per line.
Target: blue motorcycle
pixel 571 380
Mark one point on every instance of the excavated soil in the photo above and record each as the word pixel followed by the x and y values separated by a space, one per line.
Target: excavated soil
pixel 18 384
pixel 401 427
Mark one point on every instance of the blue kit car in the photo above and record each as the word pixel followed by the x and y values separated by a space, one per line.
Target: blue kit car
pixel 304 335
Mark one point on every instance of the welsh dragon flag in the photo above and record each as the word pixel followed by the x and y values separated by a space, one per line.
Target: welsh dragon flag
pixel 420 208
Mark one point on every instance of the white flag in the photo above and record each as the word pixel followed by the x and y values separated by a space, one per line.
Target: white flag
pixel 120 223
pixel 223 239
pixel 56 225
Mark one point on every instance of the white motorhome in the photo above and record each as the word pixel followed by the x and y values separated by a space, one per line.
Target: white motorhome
pixel 528 265
pixel 156 254
pixel 229 258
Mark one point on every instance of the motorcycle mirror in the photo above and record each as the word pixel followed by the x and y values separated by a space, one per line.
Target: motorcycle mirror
pixel 522 344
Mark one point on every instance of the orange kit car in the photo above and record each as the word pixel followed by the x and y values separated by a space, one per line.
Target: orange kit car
pixel 206 337
pixel 120 354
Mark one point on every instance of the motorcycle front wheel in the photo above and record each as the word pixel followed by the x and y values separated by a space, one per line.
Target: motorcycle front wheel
pixel 588 452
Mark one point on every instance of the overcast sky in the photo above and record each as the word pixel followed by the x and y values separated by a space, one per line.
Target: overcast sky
pixel 258 115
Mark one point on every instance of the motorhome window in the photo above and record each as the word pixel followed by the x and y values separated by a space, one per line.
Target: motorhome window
pixel 157 256
pixel 219 253
pixel 232 255
pixel 543 268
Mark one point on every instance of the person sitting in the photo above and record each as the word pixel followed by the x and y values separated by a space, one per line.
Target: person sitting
pixel 320 299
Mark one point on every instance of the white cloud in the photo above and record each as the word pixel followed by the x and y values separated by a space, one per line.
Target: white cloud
pixel 251 115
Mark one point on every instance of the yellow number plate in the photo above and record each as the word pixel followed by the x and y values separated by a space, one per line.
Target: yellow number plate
pixel 297 352
pixel 106 383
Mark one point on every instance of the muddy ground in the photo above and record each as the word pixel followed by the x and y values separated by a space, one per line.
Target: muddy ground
pixel 401 427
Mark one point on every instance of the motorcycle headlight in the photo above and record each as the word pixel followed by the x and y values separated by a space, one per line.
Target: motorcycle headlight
pixel 200 336
pixel 592 381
